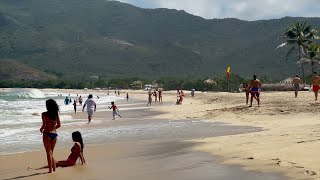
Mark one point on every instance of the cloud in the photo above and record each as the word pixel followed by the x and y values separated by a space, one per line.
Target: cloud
pixel 242 9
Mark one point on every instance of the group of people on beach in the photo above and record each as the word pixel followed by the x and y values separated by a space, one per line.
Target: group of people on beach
pixel 253 89
pixel 314 84
pixel 180 96
pixel 157 94
pixel 50 124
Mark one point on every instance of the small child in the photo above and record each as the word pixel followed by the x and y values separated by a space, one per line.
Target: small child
pixel 115 111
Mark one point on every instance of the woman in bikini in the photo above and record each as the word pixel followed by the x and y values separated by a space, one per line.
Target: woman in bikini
pixel 50 122
pixel 76 152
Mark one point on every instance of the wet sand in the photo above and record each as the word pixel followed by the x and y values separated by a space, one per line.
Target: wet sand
pixel 139 146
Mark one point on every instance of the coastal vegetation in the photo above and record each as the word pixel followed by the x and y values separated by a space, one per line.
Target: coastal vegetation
pixel 167 83
pixel 301 37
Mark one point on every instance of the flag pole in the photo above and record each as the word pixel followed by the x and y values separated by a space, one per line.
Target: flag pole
pixel 228 78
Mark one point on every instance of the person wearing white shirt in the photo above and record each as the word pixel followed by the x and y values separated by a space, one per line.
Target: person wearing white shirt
pixel 91 107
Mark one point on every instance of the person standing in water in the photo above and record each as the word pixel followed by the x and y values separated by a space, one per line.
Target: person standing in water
pixel 75 106
pixel 296 85
pixel 80 100
pixel 127 96
pixel 315 81
pixel 91 107
pixel 255 90
pixel 66 101
pixel 115 111
pixel 50 124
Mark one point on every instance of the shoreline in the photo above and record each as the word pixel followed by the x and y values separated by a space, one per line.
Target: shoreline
pixel 63 152
pixel 287 144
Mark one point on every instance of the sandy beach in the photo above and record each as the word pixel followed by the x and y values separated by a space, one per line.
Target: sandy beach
pixel 288 144
pixel 285 142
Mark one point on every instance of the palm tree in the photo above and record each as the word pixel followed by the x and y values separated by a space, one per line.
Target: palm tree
pixel 313 55
pixel 299 35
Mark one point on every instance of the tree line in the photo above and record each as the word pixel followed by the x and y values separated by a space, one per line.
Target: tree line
pixel 167 83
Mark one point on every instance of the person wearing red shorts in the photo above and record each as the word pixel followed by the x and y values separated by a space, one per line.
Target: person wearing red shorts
pixel 315 81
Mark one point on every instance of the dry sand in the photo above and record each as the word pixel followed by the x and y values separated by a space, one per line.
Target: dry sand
pixel 289 143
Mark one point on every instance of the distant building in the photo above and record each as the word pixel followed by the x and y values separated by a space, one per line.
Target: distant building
pixel 287 81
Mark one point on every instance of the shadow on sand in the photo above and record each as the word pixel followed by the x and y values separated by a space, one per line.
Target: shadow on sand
pixel 21 177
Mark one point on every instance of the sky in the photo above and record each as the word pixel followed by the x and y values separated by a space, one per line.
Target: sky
pixel 242 9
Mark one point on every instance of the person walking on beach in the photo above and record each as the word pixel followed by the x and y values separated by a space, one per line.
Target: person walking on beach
pixel 91 107
pixel 180 98
pixel 296 85
pixel 246 89
pixel 255 90
pixel 315 81
pixel 127 96
pixel 155 96
pixel 80 100
pixel 192 92
pixel 75 106
pixel 50 124
pixel 76 152
pixel 115 111
pixel 149 98
pixel 160 95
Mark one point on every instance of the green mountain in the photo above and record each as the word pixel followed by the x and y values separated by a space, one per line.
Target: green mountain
pixel 12 70
pixel 78 38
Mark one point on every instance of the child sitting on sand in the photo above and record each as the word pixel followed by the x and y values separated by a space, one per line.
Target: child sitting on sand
pixel 76 152
pixel 115 111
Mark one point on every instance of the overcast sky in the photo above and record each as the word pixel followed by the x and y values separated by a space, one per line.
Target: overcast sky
pixel 242 9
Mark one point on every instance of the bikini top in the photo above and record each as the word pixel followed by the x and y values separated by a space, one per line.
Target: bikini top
pixel 75 153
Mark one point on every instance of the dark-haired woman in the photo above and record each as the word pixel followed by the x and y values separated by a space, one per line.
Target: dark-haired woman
pixel 50 122
pixel 76 152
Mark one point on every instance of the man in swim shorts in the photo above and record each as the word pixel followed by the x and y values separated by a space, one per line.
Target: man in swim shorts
pixel 255 90
pixel 296 85
pixel 315 81
pixel 91 107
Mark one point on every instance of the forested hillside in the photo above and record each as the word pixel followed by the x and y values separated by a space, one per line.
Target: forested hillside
pixel 77 38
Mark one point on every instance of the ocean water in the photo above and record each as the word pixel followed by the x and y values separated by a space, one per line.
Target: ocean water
pixel 20 121
pixel 20 117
